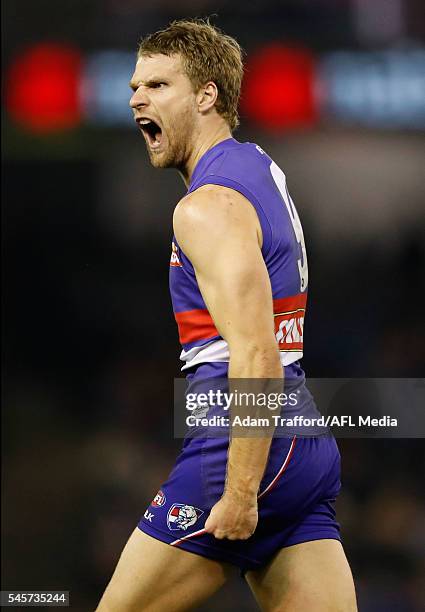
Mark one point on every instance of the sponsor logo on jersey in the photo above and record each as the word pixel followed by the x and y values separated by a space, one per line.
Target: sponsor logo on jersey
pixel 289 313
pixel 182 516
pixel 289 331
pixel 159 499
pixel 175 261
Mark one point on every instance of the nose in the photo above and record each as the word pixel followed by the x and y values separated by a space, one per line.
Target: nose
pixel 138 99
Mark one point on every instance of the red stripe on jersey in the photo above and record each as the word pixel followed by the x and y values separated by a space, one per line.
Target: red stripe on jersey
pixel 195 325
pixel 288 316
pixel 289 304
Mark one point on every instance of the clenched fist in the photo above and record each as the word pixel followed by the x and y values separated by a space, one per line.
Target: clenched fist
pixel 234 518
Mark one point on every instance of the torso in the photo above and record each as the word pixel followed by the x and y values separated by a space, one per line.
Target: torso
pixel 246 168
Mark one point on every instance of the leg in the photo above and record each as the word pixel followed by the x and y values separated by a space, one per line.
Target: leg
pixel 313 576
pixel 152 576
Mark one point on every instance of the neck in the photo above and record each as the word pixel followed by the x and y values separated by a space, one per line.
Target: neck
pixel 202 144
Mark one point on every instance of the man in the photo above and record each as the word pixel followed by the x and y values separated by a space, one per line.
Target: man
pixel 238 280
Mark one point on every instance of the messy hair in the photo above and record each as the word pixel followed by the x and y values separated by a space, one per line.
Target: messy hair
pixel 207 55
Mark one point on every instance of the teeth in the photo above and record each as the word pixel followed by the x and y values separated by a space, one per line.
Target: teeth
pixel 145 121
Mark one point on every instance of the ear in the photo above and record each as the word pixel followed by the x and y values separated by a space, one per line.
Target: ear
pixel 207 97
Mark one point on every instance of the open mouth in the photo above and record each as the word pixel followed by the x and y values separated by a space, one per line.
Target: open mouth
pixel 152 132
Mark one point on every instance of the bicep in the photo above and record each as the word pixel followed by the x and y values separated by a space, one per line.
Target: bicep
pixel 221 241
pixel 236 289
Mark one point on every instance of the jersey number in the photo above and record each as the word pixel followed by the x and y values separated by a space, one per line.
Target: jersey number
pixel 280 180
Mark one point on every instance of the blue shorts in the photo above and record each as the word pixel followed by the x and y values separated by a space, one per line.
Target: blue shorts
pixel 295 501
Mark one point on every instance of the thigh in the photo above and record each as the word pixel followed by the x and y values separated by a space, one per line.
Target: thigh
pixel 312 576
pixel 152 576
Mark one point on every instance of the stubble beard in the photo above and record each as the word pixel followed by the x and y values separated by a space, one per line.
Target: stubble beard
pixel 179 145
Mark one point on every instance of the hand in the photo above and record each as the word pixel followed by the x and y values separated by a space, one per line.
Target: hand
pixel 234 518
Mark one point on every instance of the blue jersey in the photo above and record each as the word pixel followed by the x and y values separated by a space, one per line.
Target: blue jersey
pixel 246 168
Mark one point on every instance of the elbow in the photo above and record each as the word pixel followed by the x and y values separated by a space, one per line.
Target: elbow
pixel 261 350
pixel 262 358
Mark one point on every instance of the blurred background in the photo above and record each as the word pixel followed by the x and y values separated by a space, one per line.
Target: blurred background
pixel 335 92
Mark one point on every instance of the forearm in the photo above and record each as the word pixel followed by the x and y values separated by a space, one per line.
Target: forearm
pixel 247 457
pixel 246 463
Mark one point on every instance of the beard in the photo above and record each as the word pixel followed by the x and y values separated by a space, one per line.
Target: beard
pixel 178 143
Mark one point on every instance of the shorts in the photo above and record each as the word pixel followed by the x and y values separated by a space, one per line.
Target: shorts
pixel 295 501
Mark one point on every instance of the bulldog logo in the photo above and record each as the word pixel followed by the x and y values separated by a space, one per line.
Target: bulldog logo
pixel 182 516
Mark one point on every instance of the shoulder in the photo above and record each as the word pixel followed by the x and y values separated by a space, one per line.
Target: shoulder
pixel 212 204
pixel 212 213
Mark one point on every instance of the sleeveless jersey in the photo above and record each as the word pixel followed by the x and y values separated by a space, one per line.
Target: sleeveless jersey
pixel 246 168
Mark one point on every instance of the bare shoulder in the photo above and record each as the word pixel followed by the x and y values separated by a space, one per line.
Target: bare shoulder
pixel 214 209
pixel 210 200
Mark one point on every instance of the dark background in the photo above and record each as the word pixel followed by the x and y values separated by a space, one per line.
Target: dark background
pixel 90 347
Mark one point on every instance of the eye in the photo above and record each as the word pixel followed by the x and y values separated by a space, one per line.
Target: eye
pixel 158 85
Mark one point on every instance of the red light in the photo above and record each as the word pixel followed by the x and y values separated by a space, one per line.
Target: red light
pixel 278 88
pixel 42 88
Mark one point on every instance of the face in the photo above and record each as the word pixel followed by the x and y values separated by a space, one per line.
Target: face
pixel 164 107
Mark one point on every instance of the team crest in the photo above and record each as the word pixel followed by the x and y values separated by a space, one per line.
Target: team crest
pixel 182 516
pixel 175 261
pixel 159 499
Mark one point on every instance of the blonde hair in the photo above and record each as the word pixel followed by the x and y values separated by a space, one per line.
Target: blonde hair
pixel 207 55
